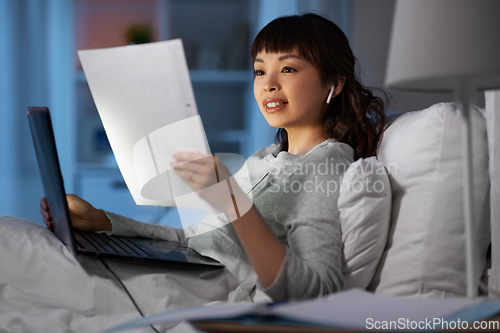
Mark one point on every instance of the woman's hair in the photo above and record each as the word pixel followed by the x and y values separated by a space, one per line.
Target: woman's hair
pixel 355 117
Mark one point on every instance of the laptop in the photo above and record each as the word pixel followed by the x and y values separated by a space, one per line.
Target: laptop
pixel 125 249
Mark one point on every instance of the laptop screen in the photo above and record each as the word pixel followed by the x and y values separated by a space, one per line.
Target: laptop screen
pixel 50 172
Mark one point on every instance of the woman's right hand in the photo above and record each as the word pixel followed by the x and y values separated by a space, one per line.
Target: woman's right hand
pixel 83 215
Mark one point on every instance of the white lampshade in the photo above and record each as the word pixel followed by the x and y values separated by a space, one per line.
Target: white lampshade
pixel 436 42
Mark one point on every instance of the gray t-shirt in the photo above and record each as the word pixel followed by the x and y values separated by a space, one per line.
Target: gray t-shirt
pixel 297 197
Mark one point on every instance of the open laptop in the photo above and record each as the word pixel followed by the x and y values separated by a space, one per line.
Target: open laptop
pixel 129 249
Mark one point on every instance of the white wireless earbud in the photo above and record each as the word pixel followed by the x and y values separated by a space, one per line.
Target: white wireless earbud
pixel 330 94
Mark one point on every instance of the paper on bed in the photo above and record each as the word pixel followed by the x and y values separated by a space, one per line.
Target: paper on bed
pixel 352 309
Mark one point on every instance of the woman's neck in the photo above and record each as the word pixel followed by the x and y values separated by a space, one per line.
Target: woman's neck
pixel 300 141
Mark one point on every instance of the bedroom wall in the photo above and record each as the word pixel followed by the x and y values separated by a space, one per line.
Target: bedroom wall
pixel 34 48
pixel 371 23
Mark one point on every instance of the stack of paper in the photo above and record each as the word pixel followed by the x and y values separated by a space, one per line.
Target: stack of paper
pixel 353 309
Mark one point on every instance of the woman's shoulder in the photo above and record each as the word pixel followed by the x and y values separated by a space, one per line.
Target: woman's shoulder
pixel 330 158
pixel 330 149
pixel 272 149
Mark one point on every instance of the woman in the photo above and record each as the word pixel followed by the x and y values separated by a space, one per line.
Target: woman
pixel 306 86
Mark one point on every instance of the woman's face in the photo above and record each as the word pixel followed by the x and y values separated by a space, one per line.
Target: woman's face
pixel 289 90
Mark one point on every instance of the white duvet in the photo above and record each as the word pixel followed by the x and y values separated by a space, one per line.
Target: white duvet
pixel 43 288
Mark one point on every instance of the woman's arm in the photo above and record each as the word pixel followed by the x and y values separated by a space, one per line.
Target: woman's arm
pixel 264 250
pixel 86 217
pixel 307 221
pixel 125 226
pixel 83 215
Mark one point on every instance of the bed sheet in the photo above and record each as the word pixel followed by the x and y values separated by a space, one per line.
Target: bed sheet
pixel 43 288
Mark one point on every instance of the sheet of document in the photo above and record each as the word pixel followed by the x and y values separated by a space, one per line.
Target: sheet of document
pixel 358 309
pixel 146 103
pixel 351 309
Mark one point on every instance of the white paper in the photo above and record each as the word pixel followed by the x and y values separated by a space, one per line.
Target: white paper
pixel 352 309
pixel 144 97
pixel 146 103
pixel 357 309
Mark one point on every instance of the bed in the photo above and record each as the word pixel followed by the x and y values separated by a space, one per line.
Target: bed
pixel 404 241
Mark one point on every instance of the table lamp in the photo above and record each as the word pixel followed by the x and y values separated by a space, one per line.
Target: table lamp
pixel 445 46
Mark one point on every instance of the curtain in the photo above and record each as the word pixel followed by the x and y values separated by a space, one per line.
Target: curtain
pixel 36 66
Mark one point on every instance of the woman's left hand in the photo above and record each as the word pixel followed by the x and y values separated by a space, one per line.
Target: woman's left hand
pixel 201 172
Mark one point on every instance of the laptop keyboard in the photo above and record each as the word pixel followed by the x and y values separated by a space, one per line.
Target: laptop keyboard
pixel 115 244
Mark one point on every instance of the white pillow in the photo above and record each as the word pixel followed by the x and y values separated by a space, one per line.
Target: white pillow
pixel 365 210
pixel 425 253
